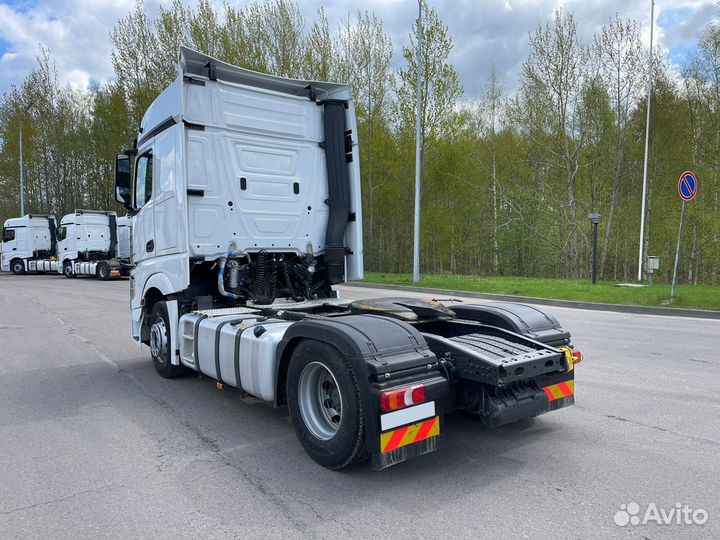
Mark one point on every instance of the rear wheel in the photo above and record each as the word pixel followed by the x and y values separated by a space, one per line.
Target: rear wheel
pixel 17 267
pixel 103 271
pixel 326 405
pixel 160 343
pixel 68 271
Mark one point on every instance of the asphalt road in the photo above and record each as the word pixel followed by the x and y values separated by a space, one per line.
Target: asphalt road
pixel 93 444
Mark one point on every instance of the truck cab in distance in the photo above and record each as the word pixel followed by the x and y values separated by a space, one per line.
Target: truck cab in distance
pixel 28 244
pixel 94 243
pixel 245 195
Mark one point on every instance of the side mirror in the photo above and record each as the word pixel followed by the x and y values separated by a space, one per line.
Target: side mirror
pixel 123 180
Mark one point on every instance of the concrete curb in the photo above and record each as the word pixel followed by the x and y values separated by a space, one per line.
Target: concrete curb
pixel 641 310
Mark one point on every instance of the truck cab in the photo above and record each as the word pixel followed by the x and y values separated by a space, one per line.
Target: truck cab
pixel 27 239
pixel 89 244
pixel 227 165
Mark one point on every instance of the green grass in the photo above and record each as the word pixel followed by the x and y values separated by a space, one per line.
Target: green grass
pixel 688 296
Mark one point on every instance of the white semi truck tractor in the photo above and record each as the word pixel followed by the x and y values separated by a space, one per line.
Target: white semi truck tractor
pixel 245 191
pixel 28 244
pixel 94 243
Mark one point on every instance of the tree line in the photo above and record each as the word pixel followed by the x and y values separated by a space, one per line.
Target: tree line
pixel 508 180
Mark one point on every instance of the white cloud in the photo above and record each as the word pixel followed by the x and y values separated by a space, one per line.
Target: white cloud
pixel 75 31
pixel 484 31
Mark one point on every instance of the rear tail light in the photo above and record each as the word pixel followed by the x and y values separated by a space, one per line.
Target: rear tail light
pixel 393 400
pixel 577 357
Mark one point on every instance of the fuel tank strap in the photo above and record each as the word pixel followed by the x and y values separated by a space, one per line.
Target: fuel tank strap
pixel 196 329
pixel 236 359
pixel 218 374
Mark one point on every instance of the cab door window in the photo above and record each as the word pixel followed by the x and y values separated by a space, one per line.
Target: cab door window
pixel 8 235
pixel 143 180
pixel 62 233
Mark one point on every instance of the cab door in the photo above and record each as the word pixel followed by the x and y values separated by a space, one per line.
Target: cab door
pixel 169 218
pixel 62 241
pixel 143 237
pixel 22 242
pixel 9 242
pixel 8 247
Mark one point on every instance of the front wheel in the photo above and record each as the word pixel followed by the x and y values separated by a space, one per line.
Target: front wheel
pixel 103 271
pixel 18 267
pixel 326 405
pixel 160 343
pixel 68 271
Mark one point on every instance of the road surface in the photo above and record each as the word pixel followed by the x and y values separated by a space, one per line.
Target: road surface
pixel 94 444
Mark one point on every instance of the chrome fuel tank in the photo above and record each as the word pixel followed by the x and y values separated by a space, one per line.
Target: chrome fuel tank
pixel 238 348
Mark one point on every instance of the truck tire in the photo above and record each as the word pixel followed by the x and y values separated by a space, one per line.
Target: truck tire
pixel 68 271
pixel 103 271
pixel 326 405
pixel 160 343
pixel 17 266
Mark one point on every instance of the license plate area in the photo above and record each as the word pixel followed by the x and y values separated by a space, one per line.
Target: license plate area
pixel 410 434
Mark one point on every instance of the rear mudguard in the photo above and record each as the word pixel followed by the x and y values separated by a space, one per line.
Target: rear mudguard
pixel 525 320
pixel 381 350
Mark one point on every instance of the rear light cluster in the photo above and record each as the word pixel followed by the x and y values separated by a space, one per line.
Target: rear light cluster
pixel 393 400
pixel 577 357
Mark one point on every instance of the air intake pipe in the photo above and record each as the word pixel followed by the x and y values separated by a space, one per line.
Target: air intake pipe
pixel 112 222
pixel 52 224
pixel 338 180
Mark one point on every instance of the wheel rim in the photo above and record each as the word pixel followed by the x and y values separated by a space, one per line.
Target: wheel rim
pixel 18 267
pixel 158 340
pixel 103 272
pixel 68 270
pixel 320 400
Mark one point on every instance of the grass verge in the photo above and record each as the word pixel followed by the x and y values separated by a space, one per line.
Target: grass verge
pixel 688 296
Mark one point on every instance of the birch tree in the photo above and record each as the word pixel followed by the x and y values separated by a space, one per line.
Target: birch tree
pixel 623 69
pixel 553 79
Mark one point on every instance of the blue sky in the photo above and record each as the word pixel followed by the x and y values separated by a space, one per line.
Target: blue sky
pixel 484 31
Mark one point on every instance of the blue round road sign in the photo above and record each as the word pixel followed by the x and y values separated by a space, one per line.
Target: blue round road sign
pixel 688 186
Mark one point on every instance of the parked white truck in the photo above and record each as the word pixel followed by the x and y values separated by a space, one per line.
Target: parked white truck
pixel 28 244
pixel 94 243
pixel 245 190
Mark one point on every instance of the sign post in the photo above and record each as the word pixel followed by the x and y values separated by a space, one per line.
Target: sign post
pixel 687 189
pixel 595 219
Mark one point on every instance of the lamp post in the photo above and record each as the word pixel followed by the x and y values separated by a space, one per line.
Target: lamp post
pixel 647 144
pixel 418 149
pixel 22 173
pixel 595 219
pixel 22 112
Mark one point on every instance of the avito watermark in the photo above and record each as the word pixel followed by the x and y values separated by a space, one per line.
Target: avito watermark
pixel 680 514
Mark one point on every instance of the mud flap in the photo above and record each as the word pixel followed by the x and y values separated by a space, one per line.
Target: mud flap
pixel 388 459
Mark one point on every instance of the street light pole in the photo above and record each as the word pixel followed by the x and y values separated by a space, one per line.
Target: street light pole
pixel 22 174
pixel 418 149
pixel 647 144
